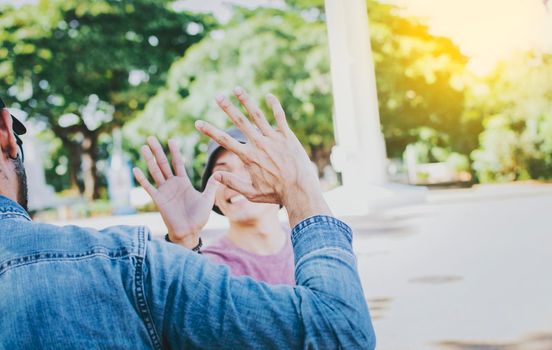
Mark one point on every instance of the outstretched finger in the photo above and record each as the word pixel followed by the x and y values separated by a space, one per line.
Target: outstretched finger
pixel 237 117
pixel 143 181
pixel 211 189
pixel 153 167
pixel 254 111
pixel 177 160
pixel 223 139
pixel 279 113
pixel 235 183
pixel 160 157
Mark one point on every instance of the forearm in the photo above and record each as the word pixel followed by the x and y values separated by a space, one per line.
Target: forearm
pixel 209 308
pixel 326 268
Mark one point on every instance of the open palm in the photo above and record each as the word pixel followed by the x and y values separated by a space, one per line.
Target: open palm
pixel 184 210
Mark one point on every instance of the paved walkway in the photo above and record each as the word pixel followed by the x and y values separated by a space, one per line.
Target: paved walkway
pixel 461 272
pixel 467 270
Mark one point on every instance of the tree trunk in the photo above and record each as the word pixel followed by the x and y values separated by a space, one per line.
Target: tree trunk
pixel 74 164
pixel 83 157
pixel 320 157
pixel 89 169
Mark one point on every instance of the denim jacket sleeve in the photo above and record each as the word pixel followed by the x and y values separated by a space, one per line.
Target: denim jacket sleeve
pixel 195 304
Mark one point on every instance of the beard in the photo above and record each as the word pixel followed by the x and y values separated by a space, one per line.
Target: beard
pixel 22 192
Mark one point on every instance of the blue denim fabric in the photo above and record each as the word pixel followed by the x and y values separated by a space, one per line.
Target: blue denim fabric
pixel 72 288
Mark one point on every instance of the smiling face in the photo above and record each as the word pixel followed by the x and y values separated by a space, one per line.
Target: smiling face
pixel 232 204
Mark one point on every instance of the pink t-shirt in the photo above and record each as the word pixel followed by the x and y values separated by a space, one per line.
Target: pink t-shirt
pixel 274 269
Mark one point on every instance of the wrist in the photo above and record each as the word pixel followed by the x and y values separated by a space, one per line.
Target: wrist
pixel 304 202
pixel 187 241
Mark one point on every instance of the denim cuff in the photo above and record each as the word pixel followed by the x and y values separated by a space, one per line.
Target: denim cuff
pixel 319 232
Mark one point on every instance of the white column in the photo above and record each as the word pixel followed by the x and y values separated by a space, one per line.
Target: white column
pixel 360 152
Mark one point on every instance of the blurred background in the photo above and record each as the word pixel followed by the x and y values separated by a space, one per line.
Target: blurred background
pixel 463 92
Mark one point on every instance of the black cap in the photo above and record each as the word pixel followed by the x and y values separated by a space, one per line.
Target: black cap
pixel 18 127
pixel 213 150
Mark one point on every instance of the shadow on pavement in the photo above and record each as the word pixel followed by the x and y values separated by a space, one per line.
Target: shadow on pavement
pixel 378 307
pixel 539 341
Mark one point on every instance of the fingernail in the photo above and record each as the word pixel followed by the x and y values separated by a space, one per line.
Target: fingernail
pixel 199 124
pixel 270 97
pixel 238 90
pixel 219 97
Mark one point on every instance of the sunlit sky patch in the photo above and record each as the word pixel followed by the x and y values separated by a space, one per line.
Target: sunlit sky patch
pixel 490 30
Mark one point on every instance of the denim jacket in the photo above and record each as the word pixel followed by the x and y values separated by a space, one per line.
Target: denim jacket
pixel 76 288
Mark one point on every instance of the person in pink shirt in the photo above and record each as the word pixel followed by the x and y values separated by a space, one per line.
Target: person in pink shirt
pixel 256 243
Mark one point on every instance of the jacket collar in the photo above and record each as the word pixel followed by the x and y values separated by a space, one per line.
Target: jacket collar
pixel 8 208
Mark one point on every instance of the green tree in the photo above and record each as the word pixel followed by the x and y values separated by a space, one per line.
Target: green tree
pixel 268 50
pixel 419 77
pixel 311 8
pixel 421 82
pixel 516 101
pixel 86 67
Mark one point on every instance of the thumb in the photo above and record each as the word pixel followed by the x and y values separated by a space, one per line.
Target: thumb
pixel 211 189
pixel 235 183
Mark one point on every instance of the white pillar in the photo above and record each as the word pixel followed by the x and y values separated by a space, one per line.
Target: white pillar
pixel 360 152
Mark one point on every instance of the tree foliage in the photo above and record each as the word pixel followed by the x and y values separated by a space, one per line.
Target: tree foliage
pixel 419 77
pixel 517 102
pixel 421 82
pixel 268 50
pixel 83 68
pixel 86 67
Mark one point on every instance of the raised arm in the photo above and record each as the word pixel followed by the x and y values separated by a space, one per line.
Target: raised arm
pixel 199 305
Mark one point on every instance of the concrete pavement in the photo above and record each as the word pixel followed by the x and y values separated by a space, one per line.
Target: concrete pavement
pixel 470 274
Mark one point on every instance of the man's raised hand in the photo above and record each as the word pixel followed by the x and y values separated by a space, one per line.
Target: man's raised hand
pixel 279 168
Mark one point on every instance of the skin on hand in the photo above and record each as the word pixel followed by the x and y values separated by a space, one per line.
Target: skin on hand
pixel 279 168
pixel 236 208
pixel 184 210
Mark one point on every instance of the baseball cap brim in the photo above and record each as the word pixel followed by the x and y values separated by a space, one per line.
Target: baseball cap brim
pixel 18 127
